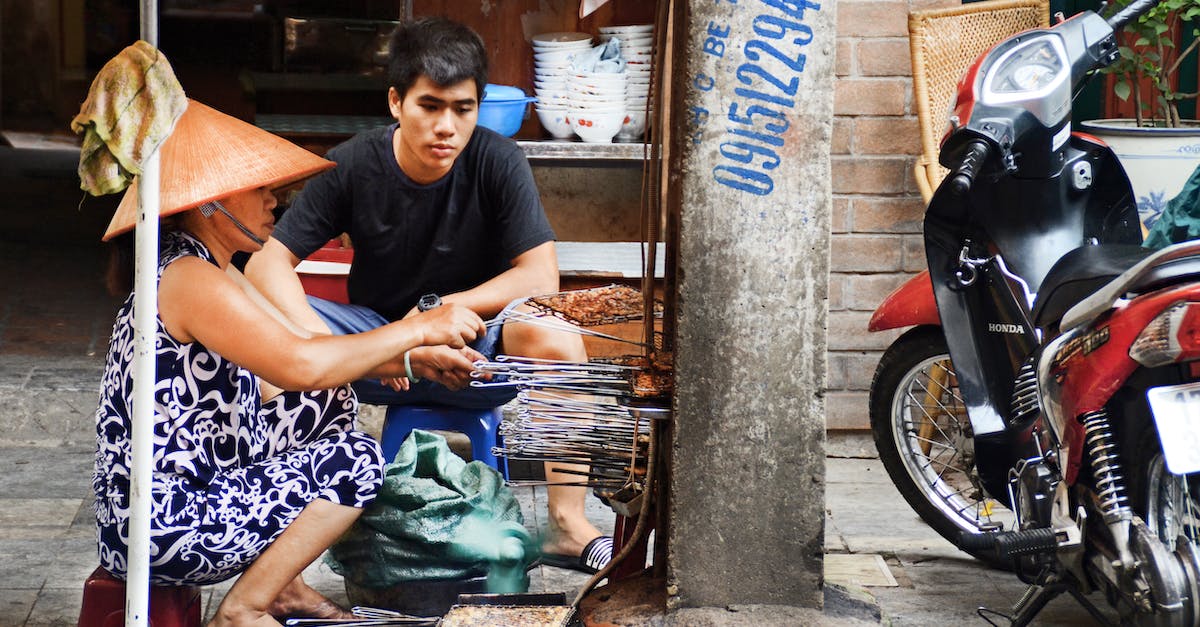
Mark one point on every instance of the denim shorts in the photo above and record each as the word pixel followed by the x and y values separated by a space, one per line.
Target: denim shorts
pixel 345 319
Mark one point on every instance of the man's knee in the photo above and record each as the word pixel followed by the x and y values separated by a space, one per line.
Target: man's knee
pixel 535 340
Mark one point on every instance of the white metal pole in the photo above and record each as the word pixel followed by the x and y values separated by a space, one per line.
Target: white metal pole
pixel 145 317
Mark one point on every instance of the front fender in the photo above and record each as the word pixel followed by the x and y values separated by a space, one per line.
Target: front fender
pixel 909 305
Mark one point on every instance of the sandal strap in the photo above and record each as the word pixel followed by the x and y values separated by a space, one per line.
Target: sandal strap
pixel 598 552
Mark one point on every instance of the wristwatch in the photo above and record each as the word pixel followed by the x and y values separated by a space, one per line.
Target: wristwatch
pixel 428 301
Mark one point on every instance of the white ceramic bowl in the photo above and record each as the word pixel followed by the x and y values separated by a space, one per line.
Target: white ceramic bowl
pixel 582 97
pixel 598 80
pixel 576 100
pixel 628 29
pixel 596 90
pixel 556 56
pixel 631 42
pixel 596 127
pixel 554 120
pixel 633 127
pixel 549 40
pixel 553 100
pixel 561 45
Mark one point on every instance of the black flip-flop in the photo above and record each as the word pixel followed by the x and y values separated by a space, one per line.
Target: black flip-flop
pixel 595 556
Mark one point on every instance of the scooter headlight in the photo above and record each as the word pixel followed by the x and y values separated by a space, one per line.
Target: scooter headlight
pixel 1031 69
pixel 1035 75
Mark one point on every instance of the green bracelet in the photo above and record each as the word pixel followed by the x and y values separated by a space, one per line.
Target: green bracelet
pixel 412 378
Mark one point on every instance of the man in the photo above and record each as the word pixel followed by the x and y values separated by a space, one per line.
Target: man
pixel 441 209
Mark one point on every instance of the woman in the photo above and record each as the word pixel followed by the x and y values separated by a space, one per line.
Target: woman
pixel 242 482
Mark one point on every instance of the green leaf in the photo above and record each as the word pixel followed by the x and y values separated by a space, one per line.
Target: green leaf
pixel 1122 90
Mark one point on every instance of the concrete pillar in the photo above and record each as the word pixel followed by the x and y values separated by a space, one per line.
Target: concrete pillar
pixel 753 178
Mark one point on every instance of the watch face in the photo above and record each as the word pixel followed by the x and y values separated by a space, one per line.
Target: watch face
pixel 428 301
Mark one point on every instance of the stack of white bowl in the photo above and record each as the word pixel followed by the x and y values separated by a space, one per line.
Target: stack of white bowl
pixel 597 105
pixel 553 55
pixel 637 48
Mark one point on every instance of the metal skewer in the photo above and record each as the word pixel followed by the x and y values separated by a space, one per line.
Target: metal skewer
pixel 554 322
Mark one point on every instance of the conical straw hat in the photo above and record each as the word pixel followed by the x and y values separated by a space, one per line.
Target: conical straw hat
pixel 210 156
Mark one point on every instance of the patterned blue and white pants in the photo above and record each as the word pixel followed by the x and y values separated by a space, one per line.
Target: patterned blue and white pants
pixel 201 534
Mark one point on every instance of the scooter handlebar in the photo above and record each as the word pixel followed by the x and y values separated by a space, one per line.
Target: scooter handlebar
pixel 973 158
pixel 1130 13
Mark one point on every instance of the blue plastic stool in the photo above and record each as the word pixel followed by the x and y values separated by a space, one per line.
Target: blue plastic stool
pixel 480 425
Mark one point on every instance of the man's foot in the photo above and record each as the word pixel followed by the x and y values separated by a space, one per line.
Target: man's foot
pixel 594 556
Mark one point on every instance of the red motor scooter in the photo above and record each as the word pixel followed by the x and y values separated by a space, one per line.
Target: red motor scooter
pixel 1043 411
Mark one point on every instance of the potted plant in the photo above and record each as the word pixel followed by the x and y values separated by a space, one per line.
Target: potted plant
pixel 1157 148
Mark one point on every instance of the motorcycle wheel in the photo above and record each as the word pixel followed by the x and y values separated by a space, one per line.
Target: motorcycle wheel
pixel 924 439
pixel 1170 504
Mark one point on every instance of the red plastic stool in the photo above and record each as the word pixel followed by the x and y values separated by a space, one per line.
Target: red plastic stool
pixel 104 603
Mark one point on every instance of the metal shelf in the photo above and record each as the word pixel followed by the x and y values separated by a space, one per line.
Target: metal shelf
pixel 564 152
pixel 539 152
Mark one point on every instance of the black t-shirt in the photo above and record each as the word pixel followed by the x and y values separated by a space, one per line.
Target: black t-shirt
pixel 410 239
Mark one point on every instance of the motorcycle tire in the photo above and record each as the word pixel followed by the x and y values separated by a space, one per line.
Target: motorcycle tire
pixel 1169 504
pixel 930 459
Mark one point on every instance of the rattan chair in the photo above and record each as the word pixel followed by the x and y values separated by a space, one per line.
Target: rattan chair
pixel 944 43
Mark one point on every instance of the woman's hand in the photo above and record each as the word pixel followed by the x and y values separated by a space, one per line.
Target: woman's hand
pixel 449 366
pixel 452 325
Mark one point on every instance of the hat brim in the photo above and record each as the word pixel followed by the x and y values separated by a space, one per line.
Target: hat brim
pixel 210 156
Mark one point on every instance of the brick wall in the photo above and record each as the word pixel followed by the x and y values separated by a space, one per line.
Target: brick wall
pixel 877 210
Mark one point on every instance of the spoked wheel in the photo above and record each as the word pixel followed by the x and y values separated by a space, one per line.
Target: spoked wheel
pixel 1173 505
pixel 1170 505
pixel 925 441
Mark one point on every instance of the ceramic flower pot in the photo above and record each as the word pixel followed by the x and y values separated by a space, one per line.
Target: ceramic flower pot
pixel 1158 160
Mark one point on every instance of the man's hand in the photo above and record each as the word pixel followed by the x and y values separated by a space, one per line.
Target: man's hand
pixel 449 366
pixel 452 325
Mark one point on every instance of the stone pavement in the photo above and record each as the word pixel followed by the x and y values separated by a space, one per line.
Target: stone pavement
pixel 54 323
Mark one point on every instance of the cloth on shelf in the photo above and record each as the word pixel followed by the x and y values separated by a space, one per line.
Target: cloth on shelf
pixel 131 108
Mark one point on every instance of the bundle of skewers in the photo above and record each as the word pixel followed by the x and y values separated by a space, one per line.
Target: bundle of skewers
pixel 571 413
pixel 589 414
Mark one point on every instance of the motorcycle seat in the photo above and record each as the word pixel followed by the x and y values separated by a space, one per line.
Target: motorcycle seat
pixel 1078 274
pixel 1081 272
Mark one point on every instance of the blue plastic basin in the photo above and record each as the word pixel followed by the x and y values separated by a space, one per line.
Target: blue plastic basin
pixel 503 108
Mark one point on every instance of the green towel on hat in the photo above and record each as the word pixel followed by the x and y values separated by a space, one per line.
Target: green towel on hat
pixel 130 110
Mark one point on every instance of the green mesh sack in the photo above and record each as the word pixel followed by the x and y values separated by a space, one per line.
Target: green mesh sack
pixel 437 517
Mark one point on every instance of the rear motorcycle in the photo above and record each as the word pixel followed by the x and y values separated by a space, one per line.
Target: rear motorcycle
pixel 1044 410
